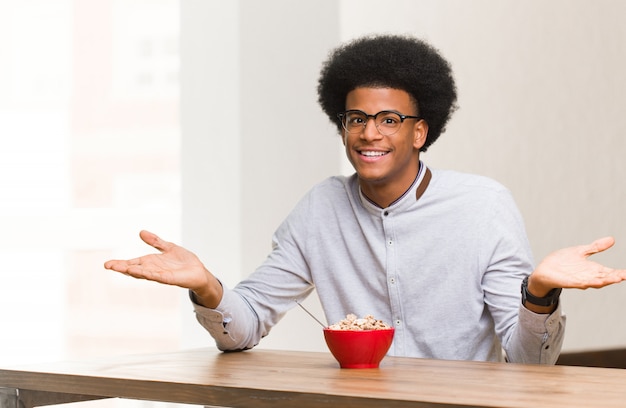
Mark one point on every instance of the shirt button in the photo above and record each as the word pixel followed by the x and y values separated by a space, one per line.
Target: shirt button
pixel 398 322
pixel 390 241
pixel 392 280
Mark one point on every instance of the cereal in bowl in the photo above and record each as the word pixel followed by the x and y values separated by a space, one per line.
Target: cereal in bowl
pixel 351 322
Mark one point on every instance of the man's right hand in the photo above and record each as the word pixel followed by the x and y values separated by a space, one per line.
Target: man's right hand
pixel 174 265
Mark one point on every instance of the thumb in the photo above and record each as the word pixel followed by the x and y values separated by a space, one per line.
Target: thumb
pixel 599 245
pixel 154 241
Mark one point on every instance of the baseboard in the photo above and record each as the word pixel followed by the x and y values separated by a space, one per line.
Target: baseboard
pixel 611 358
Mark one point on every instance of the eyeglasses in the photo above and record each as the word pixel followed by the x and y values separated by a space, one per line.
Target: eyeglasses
pixel 387 122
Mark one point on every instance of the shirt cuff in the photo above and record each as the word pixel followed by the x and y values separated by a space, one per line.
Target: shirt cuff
pixel 540 323
pixel 216 315
pixel 216 321
pixel 547 329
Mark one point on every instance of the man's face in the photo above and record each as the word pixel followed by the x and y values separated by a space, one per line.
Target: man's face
pixel 384 161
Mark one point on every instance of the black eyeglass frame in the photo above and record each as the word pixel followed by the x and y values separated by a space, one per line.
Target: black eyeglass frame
pixel 342 115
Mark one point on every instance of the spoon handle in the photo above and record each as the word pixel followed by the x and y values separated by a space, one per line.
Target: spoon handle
pixel 309 313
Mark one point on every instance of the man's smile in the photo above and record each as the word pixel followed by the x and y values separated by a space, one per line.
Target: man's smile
pixel 372 153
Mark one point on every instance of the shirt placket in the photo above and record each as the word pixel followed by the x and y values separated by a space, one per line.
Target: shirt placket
pixel 392 281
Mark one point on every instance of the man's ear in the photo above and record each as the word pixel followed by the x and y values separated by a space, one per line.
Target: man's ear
pixel 420 130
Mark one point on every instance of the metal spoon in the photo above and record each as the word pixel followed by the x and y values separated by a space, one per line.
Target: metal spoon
pixel 309 313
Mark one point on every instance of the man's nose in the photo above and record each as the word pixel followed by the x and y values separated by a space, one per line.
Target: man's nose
pixel 370 131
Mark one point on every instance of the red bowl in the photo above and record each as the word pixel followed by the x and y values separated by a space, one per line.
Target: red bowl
pixel 359 348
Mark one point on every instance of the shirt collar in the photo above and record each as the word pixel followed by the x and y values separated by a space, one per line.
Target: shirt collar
pixel 416 190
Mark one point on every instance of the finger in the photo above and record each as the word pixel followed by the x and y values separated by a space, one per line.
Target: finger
pixel 620 276
pixel 116 265
pixel 617 274
pixel 154 241
pixel 112 264
pixel 606 277
pixel 147 271
pixel 599 245
pixel 147 237
pixel 120 265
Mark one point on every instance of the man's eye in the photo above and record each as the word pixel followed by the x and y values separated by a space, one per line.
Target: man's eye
pixel 390 120
pixel 356 120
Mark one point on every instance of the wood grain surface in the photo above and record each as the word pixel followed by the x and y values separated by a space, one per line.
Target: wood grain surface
pixel 269 378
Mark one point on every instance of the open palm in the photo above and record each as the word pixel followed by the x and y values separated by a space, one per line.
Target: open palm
pixel 572 268
pixel 174 265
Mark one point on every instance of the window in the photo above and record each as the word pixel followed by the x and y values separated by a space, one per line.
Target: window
pixel 89 156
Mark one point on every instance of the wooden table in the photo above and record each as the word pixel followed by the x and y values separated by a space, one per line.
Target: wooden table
pixel 264 378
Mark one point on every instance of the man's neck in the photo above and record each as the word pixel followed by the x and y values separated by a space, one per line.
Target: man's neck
pixel 384 194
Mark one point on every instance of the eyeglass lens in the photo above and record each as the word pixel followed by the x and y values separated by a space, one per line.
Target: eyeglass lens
pixel 386 122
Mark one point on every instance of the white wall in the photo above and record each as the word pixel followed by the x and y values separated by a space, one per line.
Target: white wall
pixel 254 140
pixel 541 90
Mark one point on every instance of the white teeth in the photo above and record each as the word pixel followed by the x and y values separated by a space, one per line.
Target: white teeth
pixel 373 154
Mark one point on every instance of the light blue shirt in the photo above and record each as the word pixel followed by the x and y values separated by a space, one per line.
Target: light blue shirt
pixel 444 269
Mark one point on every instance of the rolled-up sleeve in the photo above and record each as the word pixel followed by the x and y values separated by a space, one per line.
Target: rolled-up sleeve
pixel 230 333
pixel 539 337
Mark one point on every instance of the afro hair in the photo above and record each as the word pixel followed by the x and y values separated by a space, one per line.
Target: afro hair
pixel 390 61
